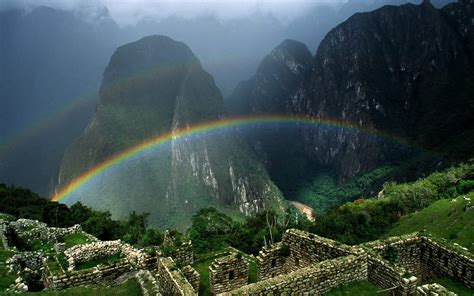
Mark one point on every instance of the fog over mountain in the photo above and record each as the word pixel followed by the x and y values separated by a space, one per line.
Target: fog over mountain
pixel 53 54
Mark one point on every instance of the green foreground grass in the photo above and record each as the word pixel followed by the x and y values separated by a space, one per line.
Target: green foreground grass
pixel 75 239
pixel 128 288
pixel 453 286
pixel 445 218
pixel 5 279
pixel 357 288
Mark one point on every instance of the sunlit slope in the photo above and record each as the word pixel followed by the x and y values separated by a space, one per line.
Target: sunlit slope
pixel 452 219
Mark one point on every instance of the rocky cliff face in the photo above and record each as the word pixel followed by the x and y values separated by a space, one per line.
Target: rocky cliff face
pixel 153 86
pixel 278 77
pixel 402 70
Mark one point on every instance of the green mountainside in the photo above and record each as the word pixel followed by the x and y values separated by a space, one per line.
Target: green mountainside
pixel 402 71
pixel 154 86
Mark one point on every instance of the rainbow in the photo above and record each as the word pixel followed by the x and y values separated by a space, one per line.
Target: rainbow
pixel 199 129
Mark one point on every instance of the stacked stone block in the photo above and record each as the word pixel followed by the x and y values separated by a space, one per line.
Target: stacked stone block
pixel 148 283
pixel 92 251
pixel 271 261
pixel 433 290
pixel 407 248
pixel 313 280
pixel 228 273
pixel 3 234
pixel 95 275
pixel 192 276
pixel 307 249
pixel 183 255
pixel 439 258
pixel 172 281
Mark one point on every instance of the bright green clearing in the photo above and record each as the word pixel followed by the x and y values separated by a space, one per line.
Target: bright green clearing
pixel 93 263
pixel 453 286
pixel 445 218
pixel 358 288
pixel 5 279
pixel 128 288
pixel 75 239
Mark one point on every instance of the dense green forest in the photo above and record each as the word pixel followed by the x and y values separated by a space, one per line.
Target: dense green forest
pixel 368 219
pixel 400 208
pixel 23 203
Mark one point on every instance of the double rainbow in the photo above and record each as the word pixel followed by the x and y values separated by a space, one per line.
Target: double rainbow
pixel 203 128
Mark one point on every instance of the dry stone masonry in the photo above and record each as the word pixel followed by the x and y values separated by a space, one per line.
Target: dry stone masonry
pixel 301 264
pixel 433 290
pixel 172 280
pixel 228 273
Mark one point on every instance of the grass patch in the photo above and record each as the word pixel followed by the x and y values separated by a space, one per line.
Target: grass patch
pixel 130 287
pixel 75 239
pixel 453 286
pixel 202 267
pixel 252 271
pixel 445 218
pixel 54 266
pixel 38 245
pixel 106 261
pixel 357 288
pixel 5 279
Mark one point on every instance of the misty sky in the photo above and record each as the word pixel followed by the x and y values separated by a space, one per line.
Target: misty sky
pixel 127 12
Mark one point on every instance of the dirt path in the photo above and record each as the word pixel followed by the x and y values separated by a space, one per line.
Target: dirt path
pixel 303 209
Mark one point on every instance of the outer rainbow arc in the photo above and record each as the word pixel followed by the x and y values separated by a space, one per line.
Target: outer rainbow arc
pixel 201 128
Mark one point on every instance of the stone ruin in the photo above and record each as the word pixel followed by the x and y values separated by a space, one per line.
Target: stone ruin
pixel 305 263
pixel 302 263
pixel 228 273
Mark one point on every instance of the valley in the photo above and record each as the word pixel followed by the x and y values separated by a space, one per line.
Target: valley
pixel 325 150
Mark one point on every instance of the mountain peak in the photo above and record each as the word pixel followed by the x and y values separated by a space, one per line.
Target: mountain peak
pixel 150 52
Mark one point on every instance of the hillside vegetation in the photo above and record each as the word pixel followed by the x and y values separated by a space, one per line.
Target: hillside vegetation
pixel 368 219
pixel 449 219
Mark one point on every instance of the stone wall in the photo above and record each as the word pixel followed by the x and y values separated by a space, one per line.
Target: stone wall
pixel 391 279
pixel 172 281
pixel 439 258
pixel 192 276
pixel 148 283
pixel 307 249
pixel 95 275
pixel 271 261
pixel 405 251
pixel 182 251
pixel 27 266
pixel 28 230
pixel 420 255
pixel 228 273
pixel 433 290
pixel 138 257
pixel 183 255
pixel 313 280
pixel 92 251
pixel 3 234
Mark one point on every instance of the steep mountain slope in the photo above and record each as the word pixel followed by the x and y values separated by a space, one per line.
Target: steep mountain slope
pixel 154 86
pixel 278 76
pixel 405 71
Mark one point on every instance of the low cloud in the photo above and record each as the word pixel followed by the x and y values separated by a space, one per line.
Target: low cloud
pixel 127 12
